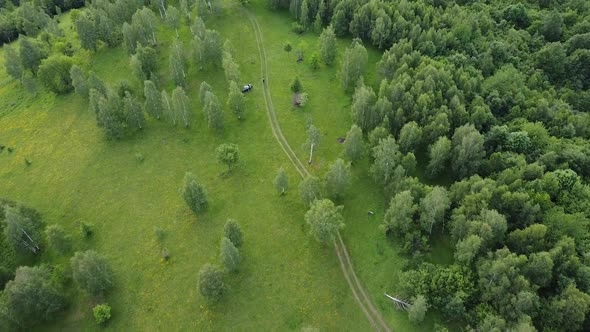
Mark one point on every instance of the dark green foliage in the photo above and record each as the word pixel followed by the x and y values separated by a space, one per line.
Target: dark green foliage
pixel 233 232
pixel 79 81
pixel 31 54
pixel 229 254
pixel 101 313
pixel 296 85
pixel 32 297
pixel 194 194
pixel 211 284
pixel 92 273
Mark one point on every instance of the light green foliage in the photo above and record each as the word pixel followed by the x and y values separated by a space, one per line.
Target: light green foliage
pixel 363 113
pixel 230 67
pixel 229 154
pixel 353 66
pixel 233 232
pixel 133 111
pixel 386 158
pixel 229 255
pixel 418 309
pixel 213 112
pixel 211 285
pixel 433 208
pixel 410 137
pixel 194 194
pixel 281 182
pixel 236 101
pixel 310 189
pixel 337 179
pixel 57 239
pixel 153 100
pixel 181 105
pixel 314 61
pixel 467 249
pixel 91 272
pixel 328 46
pixel 354 147
pixel 178 64
pixel 399 217
pixel 79 81
pixel 440 153
pixel 324 220
pixel 467 151
pixel 102 313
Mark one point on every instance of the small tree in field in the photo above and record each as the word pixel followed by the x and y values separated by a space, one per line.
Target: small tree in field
pixel 296 86
pixel 354 147
pixel 230 256
pixel 211 284
pixel 91 271
pixel 310 189
pixel 281 182
pixel 337 179
pixel 324 220
pixel 194 194
pixel 228 154
pixel 235 100
pixel 233 232
pixel 102 313
pixel 288 48
pixel 58 240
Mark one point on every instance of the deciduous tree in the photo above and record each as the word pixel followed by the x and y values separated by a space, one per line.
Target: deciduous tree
pixel 211 284
pixel 328 47
pixel 337 179
pixel 324 220
pixel 310 189
pixel 235 100
pixel 194 194
pixel 92 272
pixel 233 232
pixel 229 154
pixel 281 182
pixel 230 256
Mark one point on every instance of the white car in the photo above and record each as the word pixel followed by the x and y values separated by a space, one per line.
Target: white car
pixel 246 88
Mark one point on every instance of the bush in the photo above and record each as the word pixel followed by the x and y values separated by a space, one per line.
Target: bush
pixel 86 229
pixel 297 28
pixel 54 73
pixel 102 313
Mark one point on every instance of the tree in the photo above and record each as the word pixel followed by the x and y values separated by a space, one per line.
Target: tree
pixel 440 153
pixel 31 54
pixel 22 229
pixel 153 100
pixel 230 256
pixel 353 65
pixel 399 217
pixel 92 272
pixel 86 29
pixel 468 150
pixel 173 18
pixel 203 89
pixel 410 137
pixel 181 105
pixel 296 86
pixel 102 313
pixel 79 81
pixel 31 297
pixel 230 68
pixel 194 194
pixel 235 100
pixel 467 249
pixel 310 190
pixel 178 64
pixel 433 208
pixel 228 154
pixel 337 179
pixel 208 49
pixel 313 139
pixel 233 232
pixel 314 61
pixel 324 220
pixel 568 310
pixel 354 147
pixel 211 284
pixel 133 111
pixel 281 182
pixel 213 112
pixel 168 109
pixel 551 27
pixel 418 309
pixel 12 62
pixel 328 47
pixel 362 110
pixel 110 115
pixel 287 47
pixel 147 59
pixel 57 239
pixel 387 157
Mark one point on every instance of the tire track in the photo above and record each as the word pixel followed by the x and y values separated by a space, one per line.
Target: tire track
pixel 363 301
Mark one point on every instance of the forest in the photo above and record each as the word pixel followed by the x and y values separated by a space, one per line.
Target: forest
pixel 469 118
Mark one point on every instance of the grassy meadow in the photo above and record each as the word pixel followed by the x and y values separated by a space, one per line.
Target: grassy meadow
pixel 287 281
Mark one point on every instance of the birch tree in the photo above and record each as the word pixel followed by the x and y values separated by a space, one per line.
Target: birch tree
pixel 181 105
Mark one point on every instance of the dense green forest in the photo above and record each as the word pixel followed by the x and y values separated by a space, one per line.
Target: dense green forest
pixel 475 125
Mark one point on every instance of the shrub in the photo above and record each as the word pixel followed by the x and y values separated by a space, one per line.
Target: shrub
pixel 297 28
pixel 86 229
pixel 102 313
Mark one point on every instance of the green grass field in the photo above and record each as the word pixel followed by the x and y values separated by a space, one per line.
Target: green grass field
pixel 287 280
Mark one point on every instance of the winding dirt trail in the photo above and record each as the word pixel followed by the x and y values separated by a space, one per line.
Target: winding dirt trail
pixel 358 292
